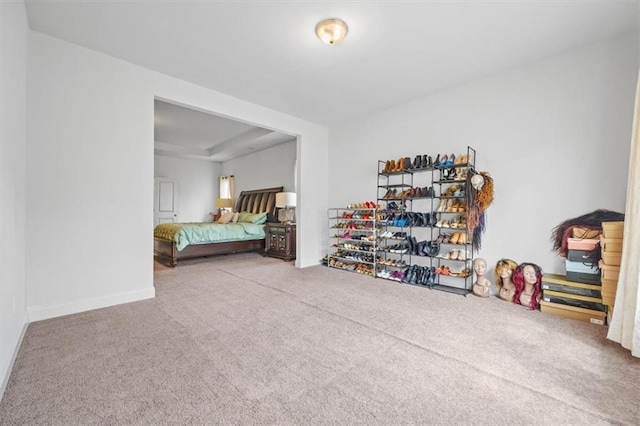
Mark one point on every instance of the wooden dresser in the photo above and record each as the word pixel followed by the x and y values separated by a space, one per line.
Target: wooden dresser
pixel 280 240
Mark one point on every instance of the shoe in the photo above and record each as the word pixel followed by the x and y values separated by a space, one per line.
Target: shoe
pixel 454 238
pixel 454 223
pixel 450 161
pixel 443 161
pixel 417 162
pixel 407 163
pixel 462 239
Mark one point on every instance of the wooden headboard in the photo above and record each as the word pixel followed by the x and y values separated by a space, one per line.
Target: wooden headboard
pixel 258 201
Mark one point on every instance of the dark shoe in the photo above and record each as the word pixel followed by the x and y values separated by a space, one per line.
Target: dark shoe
pixel 407 163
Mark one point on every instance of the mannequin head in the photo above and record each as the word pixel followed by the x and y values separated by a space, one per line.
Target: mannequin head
pixel 479 266
pixel 504 271
pixel 527 278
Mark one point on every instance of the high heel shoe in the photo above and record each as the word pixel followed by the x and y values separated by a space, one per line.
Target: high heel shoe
pixel 450 161
pixel 443 161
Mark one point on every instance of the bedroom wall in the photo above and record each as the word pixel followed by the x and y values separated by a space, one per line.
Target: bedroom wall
pixel 13 313
pixel 90 174
pixel 555 136
pixel 264 169
pixel 197 185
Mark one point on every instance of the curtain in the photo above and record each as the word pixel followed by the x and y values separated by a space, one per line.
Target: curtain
pixel 226 187
pixel 625 323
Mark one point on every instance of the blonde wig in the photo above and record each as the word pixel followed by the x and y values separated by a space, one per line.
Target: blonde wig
pixel 511 264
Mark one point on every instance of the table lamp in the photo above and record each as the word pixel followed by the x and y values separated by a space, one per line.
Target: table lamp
pixel 286 202
pixel 223 204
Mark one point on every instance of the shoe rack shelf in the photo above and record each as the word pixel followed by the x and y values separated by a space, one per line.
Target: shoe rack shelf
pixel 353 239
pixel 432 220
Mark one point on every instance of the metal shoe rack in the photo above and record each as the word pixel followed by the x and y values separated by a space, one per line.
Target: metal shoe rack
pixel 353 239
pixel 423 224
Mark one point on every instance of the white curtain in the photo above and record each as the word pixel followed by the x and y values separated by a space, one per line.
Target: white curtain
pixel 625 324
pixel 226 187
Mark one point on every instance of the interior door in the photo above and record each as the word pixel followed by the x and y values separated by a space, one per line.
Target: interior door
pixel 165 206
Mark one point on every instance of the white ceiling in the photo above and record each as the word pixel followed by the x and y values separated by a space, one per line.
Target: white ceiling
pixel 266 52
pixel 188 133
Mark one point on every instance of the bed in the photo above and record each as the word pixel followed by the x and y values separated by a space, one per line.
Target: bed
pixel 254 201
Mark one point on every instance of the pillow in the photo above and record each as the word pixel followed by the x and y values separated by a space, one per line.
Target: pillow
pixel 242 216
pixel 226 217
pixel 257 218
pixel 234 219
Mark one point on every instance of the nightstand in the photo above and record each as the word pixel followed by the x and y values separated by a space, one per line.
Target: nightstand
pixel 280 240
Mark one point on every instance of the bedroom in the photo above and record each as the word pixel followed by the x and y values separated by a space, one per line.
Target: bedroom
pixel 193 150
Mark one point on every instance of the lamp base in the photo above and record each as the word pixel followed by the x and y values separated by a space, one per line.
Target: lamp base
pixel 286 215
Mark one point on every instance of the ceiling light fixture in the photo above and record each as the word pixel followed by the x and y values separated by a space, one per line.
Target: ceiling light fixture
pixel 332 31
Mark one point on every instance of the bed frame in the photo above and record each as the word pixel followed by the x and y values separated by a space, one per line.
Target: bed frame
pixel 254 201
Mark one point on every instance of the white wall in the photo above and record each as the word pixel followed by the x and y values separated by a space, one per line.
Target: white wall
pixel 197 185
pixel 554 135
pixel 13 314
pixel 264 169
pixel 90 174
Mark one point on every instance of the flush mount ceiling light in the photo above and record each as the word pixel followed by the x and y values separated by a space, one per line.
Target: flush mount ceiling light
pixel 331 31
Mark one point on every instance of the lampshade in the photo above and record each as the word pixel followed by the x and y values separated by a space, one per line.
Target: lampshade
pixel 331 31
pixel 285 199
pixel 222 203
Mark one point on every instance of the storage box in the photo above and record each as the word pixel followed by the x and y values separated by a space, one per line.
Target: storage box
pixel 582 243
pixel 555 282
pixel 586 302
pixel 581 277
pixel 609 288
pixel 612 229
pixel 584 256
pixel 586 268
pixel 613 245
pixel 589 315
pixel 612 259
pixel 580 232
pixel 609 272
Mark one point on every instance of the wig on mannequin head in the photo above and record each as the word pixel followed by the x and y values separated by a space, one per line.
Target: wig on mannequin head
pixel 518 280
pixel 502 263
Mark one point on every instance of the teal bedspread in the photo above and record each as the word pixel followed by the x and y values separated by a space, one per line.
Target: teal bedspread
pixel 184 234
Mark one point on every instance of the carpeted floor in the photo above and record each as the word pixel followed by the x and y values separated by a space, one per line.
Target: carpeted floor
pixel 243 339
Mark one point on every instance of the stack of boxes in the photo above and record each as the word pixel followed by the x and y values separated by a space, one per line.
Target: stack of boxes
pixel 579 294
pixel 611 251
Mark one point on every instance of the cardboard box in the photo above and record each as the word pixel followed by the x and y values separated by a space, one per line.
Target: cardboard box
pixel 594 303
pixel 609 272
pixel 584 232
pixel 609 288
pixel 612 229
pixel 613 245
pixel 611 258
pixel 586 268
pixel 582 243
pixel 558 283
pixel 584 256
pixel 588 315
pixel 581 277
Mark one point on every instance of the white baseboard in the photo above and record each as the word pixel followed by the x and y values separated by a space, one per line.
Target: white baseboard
pixel 39 313
pixel 14 355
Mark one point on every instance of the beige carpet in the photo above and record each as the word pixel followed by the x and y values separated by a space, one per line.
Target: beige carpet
pixel 243 339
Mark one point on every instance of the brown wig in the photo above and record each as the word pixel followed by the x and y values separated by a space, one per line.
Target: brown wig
pixel 593 220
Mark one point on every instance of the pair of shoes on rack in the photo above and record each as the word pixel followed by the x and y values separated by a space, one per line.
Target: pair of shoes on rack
pixel 445 160
pixel 454 254
pixel 422 162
